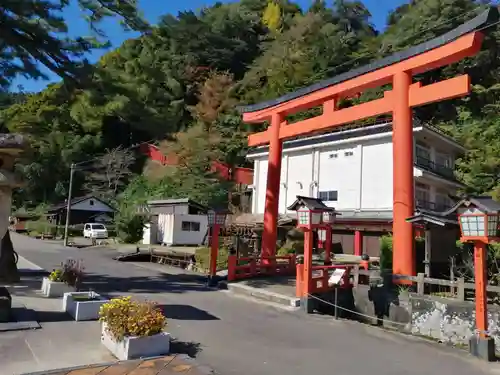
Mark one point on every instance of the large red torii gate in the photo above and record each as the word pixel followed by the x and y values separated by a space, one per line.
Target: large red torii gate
pixel 398 69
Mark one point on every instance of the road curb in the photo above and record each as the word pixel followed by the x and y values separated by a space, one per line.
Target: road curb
pixel 180 360
pixel 260 294
pixel 34 267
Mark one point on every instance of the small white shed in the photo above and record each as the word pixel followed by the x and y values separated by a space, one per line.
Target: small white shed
pixel 176 222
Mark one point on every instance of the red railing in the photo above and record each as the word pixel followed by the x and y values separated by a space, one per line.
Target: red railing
pixel 248 267
pixel 319 279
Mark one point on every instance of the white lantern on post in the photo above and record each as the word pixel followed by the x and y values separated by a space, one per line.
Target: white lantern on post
pixel 478 219
pixel 312 213
pixel 211 217
pixel 217 217
pixel 477 224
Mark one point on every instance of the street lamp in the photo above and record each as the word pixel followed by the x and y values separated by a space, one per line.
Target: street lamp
pixel 478 218
pixel 216 220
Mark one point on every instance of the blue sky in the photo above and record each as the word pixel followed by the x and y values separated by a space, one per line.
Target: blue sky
pixel 153 9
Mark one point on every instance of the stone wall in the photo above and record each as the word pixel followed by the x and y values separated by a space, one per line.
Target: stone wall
pixel 446 320
pixel 449 321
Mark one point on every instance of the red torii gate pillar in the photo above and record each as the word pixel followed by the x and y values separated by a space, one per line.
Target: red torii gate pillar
pixel 399 101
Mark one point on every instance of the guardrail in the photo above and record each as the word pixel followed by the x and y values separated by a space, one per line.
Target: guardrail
pixel 457 287
pixel 249 267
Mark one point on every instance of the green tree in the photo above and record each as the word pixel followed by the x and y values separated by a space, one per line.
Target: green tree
pixel 35 32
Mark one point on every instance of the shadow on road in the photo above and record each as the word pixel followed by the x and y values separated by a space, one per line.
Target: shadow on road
pixel 53 316
pixel 165 283
pixel 186 312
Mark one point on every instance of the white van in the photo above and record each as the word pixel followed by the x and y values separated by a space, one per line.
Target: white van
pixel 95 230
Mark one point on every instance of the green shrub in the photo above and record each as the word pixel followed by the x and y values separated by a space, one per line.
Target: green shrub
pixel 129 229
pixel 41 226
pixel 386 253
pixel 202 256
pixel 286 250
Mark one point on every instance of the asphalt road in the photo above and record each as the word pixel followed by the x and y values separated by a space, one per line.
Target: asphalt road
pixel 237 336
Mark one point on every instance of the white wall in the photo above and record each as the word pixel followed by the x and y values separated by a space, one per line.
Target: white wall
pixel 361 173
pixel 86 205
pixel 181 237
pixel 376 180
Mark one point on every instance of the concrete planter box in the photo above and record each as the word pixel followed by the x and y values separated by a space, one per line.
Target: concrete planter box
pixel 136 347
pixel 54 289
pixel 83 310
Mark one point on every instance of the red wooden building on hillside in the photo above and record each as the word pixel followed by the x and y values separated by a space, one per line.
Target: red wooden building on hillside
pixel 239 175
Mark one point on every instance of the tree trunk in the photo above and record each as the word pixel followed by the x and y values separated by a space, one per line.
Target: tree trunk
pixel 8 260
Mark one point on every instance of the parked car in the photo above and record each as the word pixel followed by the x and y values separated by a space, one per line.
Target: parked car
pixel 95 231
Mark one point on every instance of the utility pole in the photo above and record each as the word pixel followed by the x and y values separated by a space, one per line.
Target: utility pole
pixel 68 206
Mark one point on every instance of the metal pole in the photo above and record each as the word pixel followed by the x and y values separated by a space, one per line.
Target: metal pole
pixel 336 302
pixel 68 206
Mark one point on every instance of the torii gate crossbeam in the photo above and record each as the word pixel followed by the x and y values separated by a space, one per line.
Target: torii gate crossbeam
pixel 397 70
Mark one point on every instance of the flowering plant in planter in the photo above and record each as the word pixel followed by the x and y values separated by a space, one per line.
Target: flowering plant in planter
pixel 125 317
pixel 65 279
pixel 56 276
pixel 71 273
pixel 133 329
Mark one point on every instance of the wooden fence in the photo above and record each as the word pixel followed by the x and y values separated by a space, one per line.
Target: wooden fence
pixel 458 288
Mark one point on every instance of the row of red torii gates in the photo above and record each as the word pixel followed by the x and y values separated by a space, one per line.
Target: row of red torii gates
pixel 397 70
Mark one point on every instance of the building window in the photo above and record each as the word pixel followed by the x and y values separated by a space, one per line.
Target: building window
pixel 422 152
pixel 443 202
pixel 190 226
pixel 91 202
pixel 443 160
pixel 422 195
pixel 348 153
pixel 329 196
pixel 333 156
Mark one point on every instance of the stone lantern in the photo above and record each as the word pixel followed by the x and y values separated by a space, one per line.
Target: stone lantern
pixel 11 146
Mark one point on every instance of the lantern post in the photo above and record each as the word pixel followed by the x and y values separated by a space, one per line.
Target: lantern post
pixel 216 220
pixel 312 214
pixel 479 218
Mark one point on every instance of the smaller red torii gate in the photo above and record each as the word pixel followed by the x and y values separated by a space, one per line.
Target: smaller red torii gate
pixel 397 70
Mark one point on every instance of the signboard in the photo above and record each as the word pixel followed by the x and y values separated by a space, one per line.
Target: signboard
pixel 336 276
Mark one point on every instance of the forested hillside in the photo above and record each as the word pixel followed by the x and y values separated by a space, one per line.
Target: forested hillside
pixel 178 85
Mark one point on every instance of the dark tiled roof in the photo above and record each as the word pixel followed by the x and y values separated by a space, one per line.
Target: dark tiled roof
pixel 484 203
pixel 310 202
pixel 76 200
pixel 432 218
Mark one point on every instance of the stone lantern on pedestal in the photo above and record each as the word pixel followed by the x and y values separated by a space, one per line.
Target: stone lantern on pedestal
pixel 11 145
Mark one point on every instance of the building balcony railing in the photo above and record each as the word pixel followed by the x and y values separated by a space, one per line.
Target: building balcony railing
pixel 432 166
pixel 431 206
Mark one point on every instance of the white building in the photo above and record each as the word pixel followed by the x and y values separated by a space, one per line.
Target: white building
pixel 352 170
pixel 176 222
